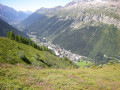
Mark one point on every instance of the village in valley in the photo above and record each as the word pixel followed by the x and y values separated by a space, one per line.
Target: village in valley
pixel 59 51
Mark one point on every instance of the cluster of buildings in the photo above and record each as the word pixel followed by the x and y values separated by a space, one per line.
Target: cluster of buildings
pixel 61 52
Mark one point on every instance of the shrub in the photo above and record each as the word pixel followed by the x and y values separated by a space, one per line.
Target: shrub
pixel 93 66
pixel 116 61
pixel 22 56
pixel 110 62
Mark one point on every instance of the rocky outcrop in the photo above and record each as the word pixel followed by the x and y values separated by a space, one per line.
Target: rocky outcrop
pixel 97 18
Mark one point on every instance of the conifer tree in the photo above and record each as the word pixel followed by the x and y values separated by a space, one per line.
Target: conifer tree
pixel 33 44
pixel 8 35
pixel 16 38
pixel 38 47
pixel 12 36
pixel 30 42
pixel 27 41
pixel 42 48
pixel 20 39
pixel 24 40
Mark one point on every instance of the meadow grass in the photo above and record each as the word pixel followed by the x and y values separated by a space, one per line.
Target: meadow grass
pixel 24 77
pixel 83 63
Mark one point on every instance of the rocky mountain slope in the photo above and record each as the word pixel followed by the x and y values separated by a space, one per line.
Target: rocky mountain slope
pixel 84 27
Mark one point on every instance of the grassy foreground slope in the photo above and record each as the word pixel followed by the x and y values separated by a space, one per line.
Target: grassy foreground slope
pixel 24 68
pixel 13 52
pixel 20 77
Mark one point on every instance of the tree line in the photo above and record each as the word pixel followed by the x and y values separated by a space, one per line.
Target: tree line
pixel 26 41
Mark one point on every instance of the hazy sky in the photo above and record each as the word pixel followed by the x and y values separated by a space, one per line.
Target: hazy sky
pixel 33 5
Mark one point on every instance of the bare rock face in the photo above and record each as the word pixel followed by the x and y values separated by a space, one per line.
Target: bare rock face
pixel 96 18
pixel 76 2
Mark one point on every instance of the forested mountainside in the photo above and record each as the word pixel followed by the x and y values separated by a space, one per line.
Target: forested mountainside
pixel 84 27
pixel 5 28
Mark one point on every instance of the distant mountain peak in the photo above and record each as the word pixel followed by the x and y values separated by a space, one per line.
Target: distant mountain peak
pixel 43 10
pixel 80 0
pixel 76 2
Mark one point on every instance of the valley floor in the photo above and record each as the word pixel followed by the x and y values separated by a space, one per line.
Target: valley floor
pixel 26 77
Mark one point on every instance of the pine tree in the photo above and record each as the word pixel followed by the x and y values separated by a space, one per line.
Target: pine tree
pixel 24 40
pixel 27 41
pixel 8 35
pixel 33 44
pixel 16 38
pixel 12 36
pixel 30 42
pixel 42 48
pixel 20 39
pixel 38 47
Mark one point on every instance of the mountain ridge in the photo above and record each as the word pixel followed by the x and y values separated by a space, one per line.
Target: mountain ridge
pixel 9 14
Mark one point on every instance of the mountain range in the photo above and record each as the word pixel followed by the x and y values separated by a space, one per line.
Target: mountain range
pixel 9 14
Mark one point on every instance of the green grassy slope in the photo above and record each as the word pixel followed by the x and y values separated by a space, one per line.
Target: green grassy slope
pixel 13 52
pixel 19 77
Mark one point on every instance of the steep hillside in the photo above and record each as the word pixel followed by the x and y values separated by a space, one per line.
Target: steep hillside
pixel 91 40
pixel 5 28
pixel 8 14
pixel 13 52
pixel 48 26
pixel 32 18
pixel 39 14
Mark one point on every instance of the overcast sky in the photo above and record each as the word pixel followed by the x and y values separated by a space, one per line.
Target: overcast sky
pixel 32 5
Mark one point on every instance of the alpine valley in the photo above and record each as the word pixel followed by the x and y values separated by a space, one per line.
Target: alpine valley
pixel 87 28
pixel 71 47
